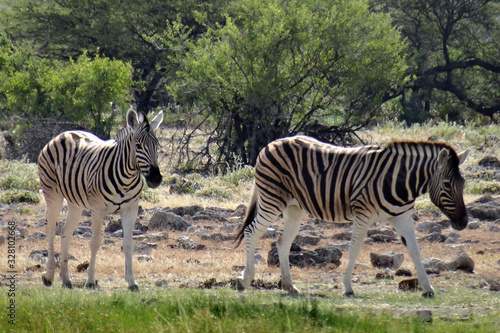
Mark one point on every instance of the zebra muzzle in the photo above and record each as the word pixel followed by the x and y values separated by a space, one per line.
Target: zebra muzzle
pixel 153 178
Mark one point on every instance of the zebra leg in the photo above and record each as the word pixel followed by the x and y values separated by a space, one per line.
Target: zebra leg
pixel 404 227
pixel 359 230
pixel 252 235
pixel 74 214
pixel 292 217
pixel 129 218
pixel 53 208
pixel 95 245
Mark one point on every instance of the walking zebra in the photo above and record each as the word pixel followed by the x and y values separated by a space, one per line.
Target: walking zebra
pixel 102 176
pixel 363 185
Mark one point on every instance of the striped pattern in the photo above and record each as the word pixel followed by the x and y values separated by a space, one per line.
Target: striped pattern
pixel 360 185
pixel 102 176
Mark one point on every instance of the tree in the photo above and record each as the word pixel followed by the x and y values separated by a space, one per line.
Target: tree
pixel 281 68
pixel 453 56
pixel 115 29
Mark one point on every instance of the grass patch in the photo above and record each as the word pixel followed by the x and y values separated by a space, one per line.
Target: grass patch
pixel 482 187
pixel 214 192
pixel 186 310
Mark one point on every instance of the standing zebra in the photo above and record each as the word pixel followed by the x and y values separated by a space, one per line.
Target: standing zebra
pixel 102 176
pixel 363 185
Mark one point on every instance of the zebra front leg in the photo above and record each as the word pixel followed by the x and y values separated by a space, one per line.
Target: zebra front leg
pixel 358 236
pixel 95 245
pixel 404 227
pixel 129 218
pixel 53 208
pixel 74 214
pixel 292 217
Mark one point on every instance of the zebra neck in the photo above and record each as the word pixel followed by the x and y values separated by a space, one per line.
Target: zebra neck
pixel 125 144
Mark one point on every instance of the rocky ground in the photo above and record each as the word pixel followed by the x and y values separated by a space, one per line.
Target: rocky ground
pixel 192 247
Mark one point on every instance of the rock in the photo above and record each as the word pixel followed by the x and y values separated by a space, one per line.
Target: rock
pixel 494 284
pixel 144 248
pixel 307 239
pixel 435 237
pixel 168 220
pixel 21 233
pixel 158 236
pixel 36 235
pixel 485 208
pixel 259 259
pixel 429 227
pixel 113 226
pixel 184 242
pixel 474 225
pixel 302 258
pixel 217 237
pixel 41 256
pixel 82 267
pixel 408 285
pixel 83 231
pixel 452 237
pixel 490 162
pixel 381 235
pixel 387 260
pixel 144 258
pixel 230 227
pixel 188 210
pixel 492 228
pixel 461 262
pixel 426 315
pixel 346 235
pixel 2 239
pixel 161 283
pixel 385 275
pixel 402 272
pixel 434 265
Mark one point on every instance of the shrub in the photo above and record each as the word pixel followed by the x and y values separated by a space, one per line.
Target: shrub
pixel 15 175
pixel 18 196
pixel 214 192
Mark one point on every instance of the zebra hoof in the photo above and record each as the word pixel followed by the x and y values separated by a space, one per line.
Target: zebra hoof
pixel 239 285
pixel 92 286
pixel 349 294
pixel 68 285
pixel 428 294
pixel 133 287
pixel 46 282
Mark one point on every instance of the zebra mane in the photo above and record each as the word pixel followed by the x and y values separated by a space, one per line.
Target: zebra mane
pixel 452 153
pixel 123 134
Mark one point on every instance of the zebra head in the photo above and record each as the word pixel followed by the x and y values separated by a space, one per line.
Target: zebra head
pixel 146 145
pixel 447 185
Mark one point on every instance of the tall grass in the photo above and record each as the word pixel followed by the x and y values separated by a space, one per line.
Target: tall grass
pixel 60 310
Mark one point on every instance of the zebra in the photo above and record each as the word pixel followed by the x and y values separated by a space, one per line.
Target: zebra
pixel 363 185
pixel 102 176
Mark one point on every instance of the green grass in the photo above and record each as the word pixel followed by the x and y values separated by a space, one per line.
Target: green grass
pixel 56 309
pixel 17 175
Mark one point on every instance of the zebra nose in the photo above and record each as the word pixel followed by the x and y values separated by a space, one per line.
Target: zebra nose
pixel 153 179
pixel 460 223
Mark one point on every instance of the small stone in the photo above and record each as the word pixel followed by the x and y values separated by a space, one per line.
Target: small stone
pixel 387 260
pixel 162 283
pixel 144 258
pixel 403 272
pixel 426 315
pixel 408 285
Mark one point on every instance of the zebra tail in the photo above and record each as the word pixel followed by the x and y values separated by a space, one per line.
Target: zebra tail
pixel 249 217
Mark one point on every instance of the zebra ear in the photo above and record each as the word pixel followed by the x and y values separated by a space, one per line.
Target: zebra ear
pixel 155 123
pixel 443 158
pixel 132 120
pixel 463 156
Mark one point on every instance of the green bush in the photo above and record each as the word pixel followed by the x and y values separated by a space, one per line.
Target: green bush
pixel 15 175
pixel 482 187
pixel 214 192
pixel 245 173
pixel 18 196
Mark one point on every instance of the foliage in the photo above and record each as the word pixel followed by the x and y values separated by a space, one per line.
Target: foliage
pixel 18 196
pixel 453 57
pixel 276 69
pixel 17 175
pixel 81 89
pixel 214 192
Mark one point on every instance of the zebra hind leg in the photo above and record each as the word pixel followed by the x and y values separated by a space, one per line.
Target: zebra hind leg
pixel 53 208
pixel 252 234
pixel 74 215
pixel 404 227
pixel 292 218
pixel 359 230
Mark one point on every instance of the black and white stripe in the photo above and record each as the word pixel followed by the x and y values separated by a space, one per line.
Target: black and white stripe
pixel 102 176
pixel 363 185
